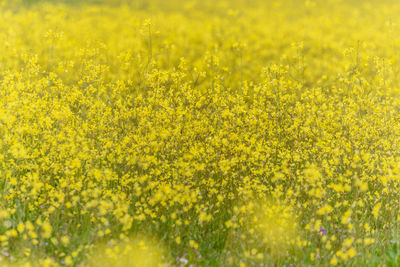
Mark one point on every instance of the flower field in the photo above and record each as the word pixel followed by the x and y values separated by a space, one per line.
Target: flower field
pixel 199 133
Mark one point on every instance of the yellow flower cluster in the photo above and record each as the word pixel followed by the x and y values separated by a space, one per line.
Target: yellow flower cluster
pixel 229 132
pixel 136 253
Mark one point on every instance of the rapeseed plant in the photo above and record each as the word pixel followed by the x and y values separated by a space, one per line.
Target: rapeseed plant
pixel 203 133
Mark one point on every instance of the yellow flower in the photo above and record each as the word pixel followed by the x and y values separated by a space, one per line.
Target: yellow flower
pixel 334 261
pixel 351 252
pixel 20 227
pixel 193 244
pixel 46 230
pixel 65 240
pixel 68 260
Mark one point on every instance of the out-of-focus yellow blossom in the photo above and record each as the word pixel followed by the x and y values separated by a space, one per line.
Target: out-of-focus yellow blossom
pixel 141 253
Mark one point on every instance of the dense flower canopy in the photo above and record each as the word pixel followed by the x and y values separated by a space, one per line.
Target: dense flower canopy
pixel 211 133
